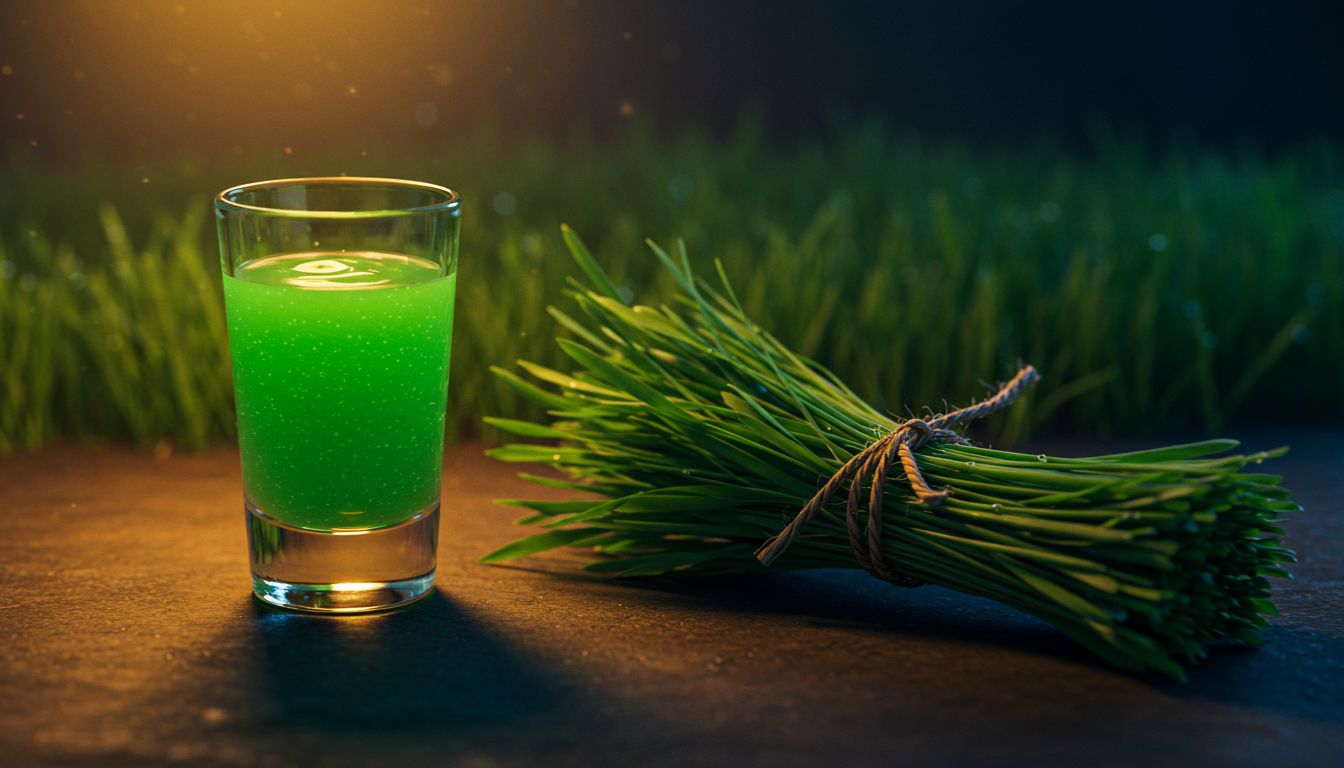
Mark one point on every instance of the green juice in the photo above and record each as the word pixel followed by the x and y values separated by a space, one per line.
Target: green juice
pixel 340 370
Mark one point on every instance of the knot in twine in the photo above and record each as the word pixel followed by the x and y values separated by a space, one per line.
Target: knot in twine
pixel 875 461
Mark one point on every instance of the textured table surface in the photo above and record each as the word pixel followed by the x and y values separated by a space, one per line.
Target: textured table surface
pixel 128 637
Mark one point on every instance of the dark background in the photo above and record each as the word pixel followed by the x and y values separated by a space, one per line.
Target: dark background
pixel 112 79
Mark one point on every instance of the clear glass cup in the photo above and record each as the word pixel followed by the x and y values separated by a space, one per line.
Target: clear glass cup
pixel 339 295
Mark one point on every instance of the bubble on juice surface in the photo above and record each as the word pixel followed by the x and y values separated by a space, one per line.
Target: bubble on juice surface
pixel 334 273
pixel 322 267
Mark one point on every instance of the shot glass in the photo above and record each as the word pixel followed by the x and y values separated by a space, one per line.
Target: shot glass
pixel 339 295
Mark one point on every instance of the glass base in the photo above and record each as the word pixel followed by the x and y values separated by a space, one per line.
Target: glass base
pixel 342 571
pixel 342 597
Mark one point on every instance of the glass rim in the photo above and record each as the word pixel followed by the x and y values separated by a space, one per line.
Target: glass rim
pixel 451 200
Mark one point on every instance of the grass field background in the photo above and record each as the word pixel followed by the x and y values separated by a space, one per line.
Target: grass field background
pixel 1157 292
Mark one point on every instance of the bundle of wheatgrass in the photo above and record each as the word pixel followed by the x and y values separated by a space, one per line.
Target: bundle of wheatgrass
pixel 719 450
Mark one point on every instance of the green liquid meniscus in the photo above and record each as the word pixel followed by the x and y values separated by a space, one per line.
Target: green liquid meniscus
pixel 340 369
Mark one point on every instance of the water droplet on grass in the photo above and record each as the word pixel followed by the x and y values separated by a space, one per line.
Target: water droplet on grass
pixel 1041 457
pixel 555 457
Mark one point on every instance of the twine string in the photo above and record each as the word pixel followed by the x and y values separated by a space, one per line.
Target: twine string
pixel 875 462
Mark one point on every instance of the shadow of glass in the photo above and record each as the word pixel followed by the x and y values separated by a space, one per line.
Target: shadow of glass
pixel 429 665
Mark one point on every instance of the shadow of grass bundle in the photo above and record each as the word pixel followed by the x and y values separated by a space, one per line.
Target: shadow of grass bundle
pixel 703 435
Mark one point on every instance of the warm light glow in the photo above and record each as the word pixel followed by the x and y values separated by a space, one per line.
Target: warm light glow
pixel 245 78
pixel 356 586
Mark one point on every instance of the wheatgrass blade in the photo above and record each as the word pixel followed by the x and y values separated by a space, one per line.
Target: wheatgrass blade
pixel 703 434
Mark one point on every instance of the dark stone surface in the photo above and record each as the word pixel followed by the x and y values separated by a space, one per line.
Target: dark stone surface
pixel 128 637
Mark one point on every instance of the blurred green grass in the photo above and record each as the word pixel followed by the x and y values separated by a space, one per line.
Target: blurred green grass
pixel 1166 292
